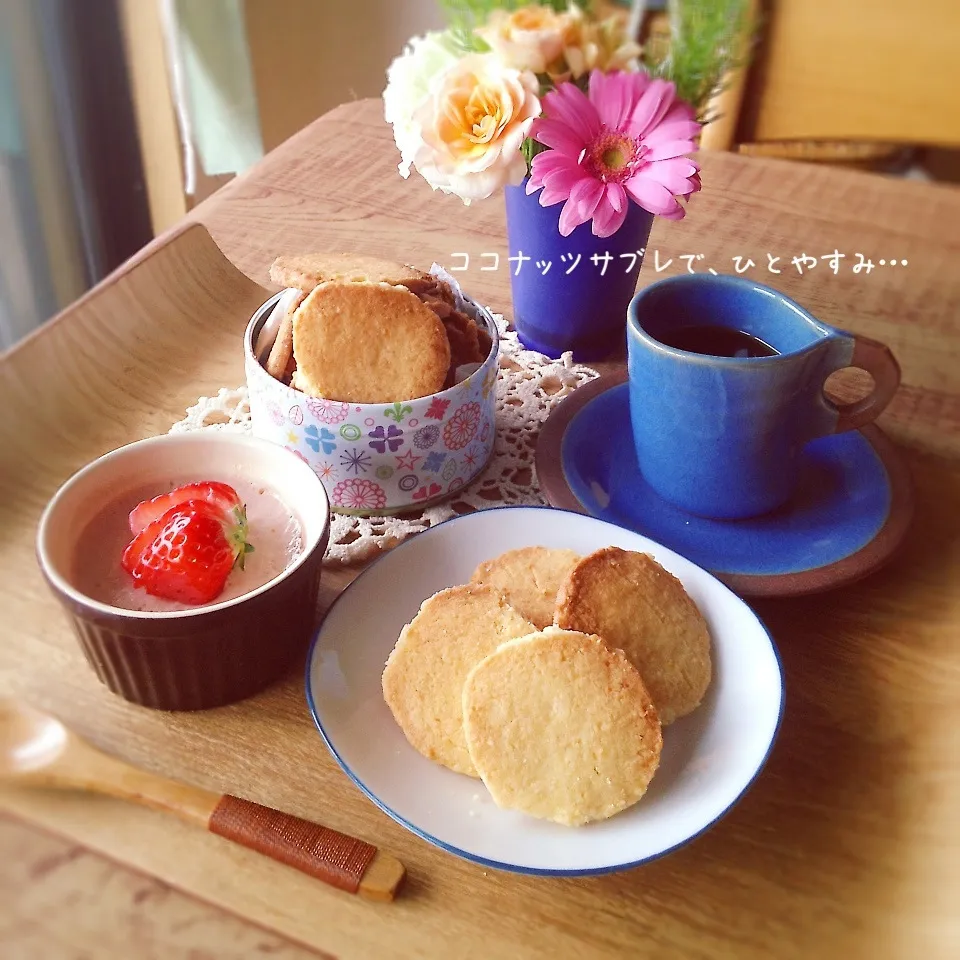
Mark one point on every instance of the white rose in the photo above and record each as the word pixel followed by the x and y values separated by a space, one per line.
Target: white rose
pixel 408 86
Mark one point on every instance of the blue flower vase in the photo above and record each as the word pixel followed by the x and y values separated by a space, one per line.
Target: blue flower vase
pixel 574 304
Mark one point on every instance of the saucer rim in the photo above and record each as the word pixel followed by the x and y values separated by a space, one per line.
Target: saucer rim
pixel 868 559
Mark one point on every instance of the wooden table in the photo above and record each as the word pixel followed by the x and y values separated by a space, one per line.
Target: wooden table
pixel 847 845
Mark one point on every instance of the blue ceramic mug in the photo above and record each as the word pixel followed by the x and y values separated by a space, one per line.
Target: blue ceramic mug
pixel 727 387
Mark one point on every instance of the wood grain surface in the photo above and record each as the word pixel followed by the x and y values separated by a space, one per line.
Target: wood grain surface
pixel 59 900
pixel 847 844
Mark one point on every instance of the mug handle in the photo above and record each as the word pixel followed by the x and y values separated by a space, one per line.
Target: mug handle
pixel 880 363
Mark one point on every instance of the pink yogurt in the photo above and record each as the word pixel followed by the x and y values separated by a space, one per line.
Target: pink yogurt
pixel 273 529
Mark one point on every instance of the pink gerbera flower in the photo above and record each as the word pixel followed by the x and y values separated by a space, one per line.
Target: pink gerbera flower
pixel 625 138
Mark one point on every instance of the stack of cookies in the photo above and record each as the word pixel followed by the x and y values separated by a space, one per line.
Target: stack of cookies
pixel 366 330
pixel 550 676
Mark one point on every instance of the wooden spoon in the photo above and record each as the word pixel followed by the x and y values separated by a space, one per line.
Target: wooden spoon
pixel 38 750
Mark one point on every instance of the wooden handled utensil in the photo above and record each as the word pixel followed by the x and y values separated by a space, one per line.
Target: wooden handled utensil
pixel 38 750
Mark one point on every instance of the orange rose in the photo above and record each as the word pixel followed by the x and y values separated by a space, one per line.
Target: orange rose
pixel 526 39
pixel 472 127
pixel 593 45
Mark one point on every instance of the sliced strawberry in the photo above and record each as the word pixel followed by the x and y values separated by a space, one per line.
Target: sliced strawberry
pixel 138 546
pixel 220 495
pixel 188 553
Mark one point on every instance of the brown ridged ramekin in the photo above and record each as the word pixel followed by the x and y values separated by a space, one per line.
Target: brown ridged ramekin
pixel 211 655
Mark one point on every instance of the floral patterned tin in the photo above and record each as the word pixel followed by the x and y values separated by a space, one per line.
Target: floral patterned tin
pixel 376 459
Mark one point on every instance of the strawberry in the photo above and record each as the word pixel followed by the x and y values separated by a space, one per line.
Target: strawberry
pixel 221 495
pixel 187 553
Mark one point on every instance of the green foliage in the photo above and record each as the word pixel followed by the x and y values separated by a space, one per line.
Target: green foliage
pixel 530 148
pixel 708 39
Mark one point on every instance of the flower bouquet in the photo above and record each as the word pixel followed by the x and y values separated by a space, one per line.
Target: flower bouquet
pixel 552 105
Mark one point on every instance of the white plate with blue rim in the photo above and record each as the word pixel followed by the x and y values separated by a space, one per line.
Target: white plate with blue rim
pixel 709 758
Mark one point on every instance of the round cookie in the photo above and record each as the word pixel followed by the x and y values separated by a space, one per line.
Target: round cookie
pixel 423 679
pixel 529 578
pixel 308 270
pixel 561 727
pixel 638 607
pixel 281 353
pixel 368 343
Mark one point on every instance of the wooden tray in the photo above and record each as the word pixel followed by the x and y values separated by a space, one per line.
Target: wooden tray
pixel 838 845
pixel 124 364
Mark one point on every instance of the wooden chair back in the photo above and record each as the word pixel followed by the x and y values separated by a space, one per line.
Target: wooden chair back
pixel 849 70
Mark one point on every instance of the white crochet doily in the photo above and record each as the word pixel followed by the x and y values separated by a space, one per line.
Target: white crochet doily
pixel 529 386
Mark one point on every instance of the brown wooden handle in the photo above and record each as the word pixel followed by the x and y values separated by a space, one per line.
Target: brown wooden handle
pixel 333 857
pixel 880 363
